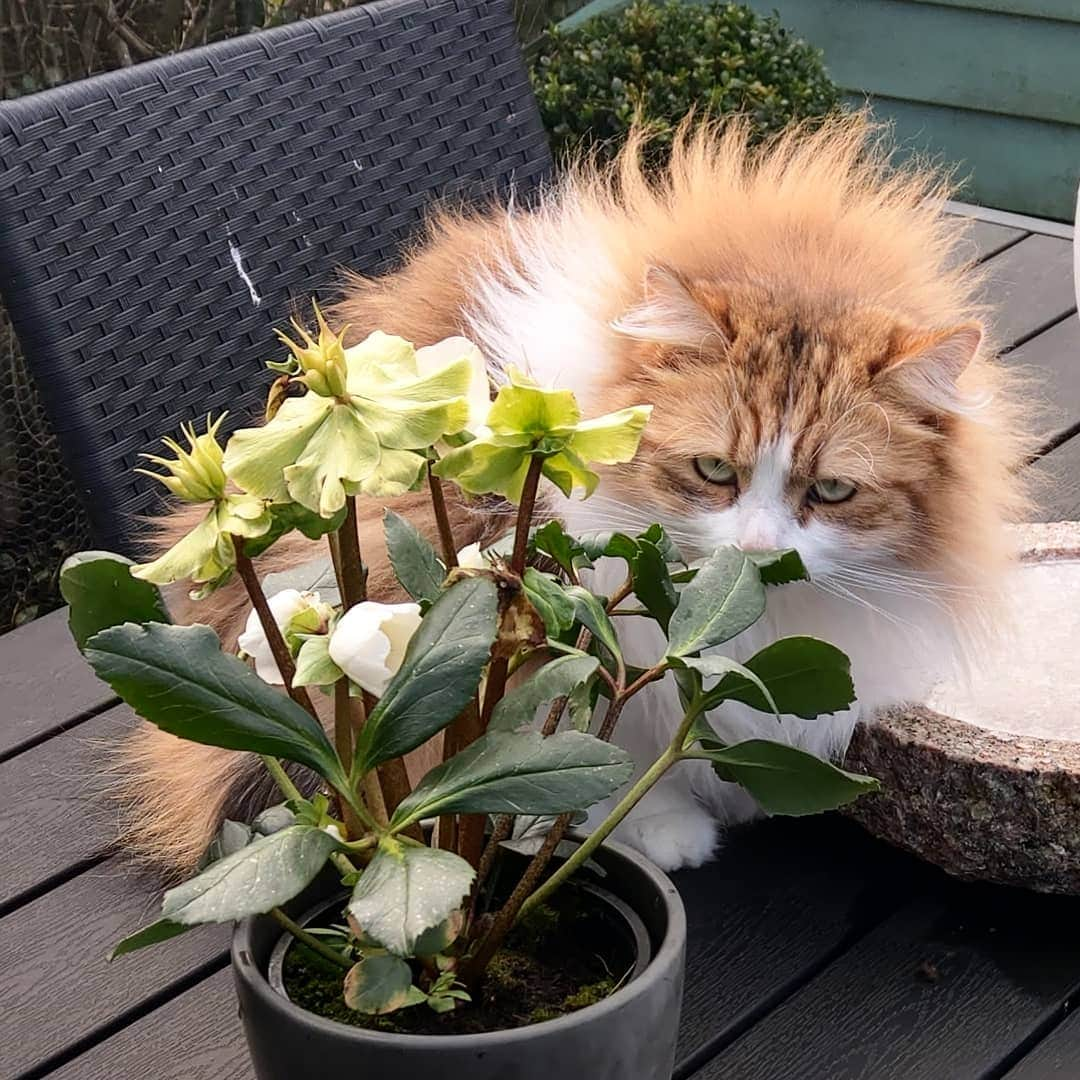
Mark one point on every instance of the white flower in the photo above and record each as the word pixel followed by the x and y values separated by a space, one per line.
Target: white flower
pixel 369 642
pixel 432 357
pixel 471 557
pixel 286 606
pixel 335 832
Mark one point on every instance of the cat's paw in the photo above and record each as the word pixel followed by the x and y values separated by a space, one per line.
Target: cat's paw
pixel 673 839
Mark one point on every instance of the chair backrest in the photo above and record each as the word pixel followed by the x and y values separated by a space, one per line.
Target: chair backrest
pixel 157 222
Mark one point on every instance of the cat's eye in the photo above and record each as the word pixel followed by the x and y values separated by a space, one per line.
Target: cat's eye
pixel 715 470
pixel 830 491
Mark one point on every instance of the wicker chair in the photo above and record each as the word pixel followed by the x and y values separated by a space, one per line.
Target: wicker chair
pixel 157 222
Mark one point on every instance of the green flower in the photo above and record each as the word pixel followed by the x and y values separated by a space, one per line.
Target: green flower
pixel 364 431
pixel 206 554
pixel 321 363
pixel 526 421
pixel 196 475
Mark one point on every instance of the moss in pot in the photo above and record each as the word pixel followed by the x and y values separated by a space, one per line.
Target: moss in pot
pixel 426 924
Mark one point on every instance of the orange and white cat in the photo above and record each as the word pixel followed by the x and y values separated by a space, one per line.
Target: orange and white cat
pixel 803 322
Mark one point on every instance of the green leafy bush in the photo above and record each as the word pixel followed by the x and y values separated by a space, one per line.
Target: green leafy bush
pixel 661 61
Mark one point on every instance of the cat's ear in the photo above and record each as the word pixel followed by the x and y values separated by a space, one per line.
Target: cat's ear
pixel 670 314
pixel 928 364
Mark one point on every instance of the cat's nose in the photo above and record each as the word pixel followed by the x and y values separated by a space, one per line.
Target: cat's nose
pixel 759 531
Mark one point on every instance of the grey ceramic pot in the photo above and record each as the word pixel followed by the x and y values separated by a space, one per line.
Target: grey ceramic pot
pixel 628 1036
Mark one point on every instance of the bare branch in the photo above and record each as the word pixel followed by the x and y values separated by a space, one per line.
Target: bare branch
pixel 125 33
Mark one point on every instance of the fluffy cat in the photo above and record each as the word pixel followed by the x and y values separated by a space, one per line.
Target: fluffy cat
pixel 802 320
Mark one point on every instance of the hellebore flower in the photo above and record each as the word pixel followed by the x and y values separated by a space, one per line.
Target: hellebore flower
pixel 369 641
pixel 472 558
pixel 526 421
pixel 297 615
pixel 206 554
pixel 364 425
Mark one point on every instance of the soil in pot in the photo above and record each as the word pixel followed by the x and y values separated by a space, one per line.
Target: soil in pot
pixel 568 955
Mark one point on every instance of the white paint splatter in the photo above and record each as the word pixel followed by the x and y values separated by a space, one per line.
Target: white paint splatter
pixel 238 262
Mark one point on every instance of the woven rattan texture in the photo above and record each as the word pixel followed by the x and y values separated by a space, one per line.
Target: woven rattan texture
pixel 156 223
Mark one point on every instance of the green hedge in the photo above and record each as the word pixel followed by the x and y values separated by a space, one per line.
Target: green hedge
pixel 662 60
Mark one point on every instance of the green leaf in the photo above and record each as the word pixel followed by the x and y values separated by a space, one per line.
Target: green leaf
pixel 581 703
pixel 714 665
pixel 590 613
pixel 656 536
pixel 785 780
pixel 378 984
pixel 551 601
pixel 439 938
pixel 519 773
pixel 779 567
pixel 178 678
pixel 803 675
pixel 268 872
pixel 406 890
pixel 285 517
pixel 101 593
pixel 414 560
pixel 724 599
pixel 652 583
pixel 440 673
pixel 615 545
pixel 554 680
pixel 313 664
pixel 552 540
pixel 158 931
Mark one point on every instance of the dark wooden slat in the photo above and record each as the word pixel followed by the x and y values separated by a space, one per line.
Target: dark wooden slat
pixel 53 812
pixel 196 1036
pixel 1029 286
pixel 1057 484
pixel 57 988
pixel 948 987
pixel 44 681
pixel 984 239
pixel 1057 1057
pixel 1053 360
pixel 778 900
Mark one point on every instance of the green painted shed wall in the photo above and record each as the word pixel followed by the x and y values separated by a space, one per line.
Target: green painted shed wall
pixel 990 86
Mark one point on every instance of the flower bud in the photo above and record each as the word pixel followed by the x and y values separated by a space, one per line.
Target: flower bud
pixel 323 362
pixel 471 558
pixel 294 612
pixel 369 642
pixel 196 475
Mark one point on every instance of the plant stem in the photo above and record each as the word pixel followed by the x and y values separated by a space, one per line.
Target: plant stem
pixel 525 514
pixel 508 914
pixel 637 792
pixel 603 831
pixel 504 825
pixel 310 940
pixel 558 706
pixel 353 575
pixel 442 518
pixel 271 630
pixel 343 743
pixel 393 780
pixel 496 683
pixel 620 594
pixel 281 777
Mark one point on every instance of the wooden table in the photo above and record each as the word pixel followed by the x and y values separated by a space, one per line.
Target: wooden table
pixel 815 951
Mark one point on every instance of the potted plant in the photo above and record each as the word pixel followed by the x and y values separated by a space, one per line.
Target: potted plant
pixel 453 923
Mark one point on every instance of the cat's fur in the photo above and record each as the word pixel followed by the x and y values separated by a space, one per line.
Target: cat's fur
pixel 801 311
